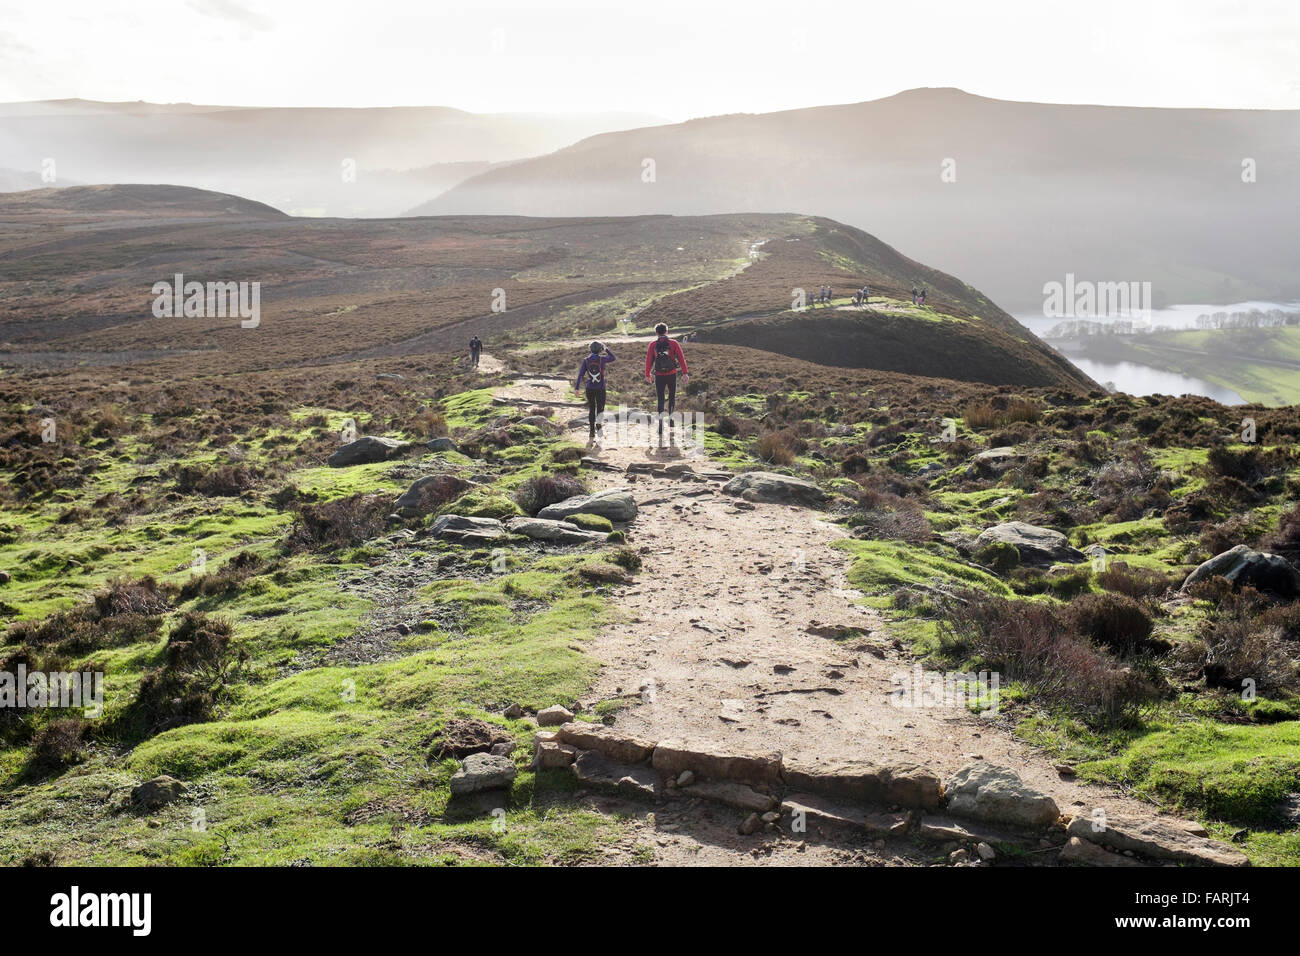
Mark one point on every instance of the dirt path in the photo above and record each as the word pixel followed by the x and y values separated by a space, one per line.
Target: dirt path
pixel 714 640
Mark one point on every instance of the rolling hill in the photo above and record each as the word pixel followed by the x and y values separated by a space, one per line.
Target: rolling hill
pixel 79 263
pixel 1037 190
pixel 291 158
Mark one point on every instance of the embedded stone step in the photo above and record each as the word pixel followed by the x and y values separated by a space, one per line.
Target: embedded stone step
pixel 908 785
pixel 624 748
pixel 733 794
pixel 596 770
pixel 810 808
pixel 1159 839
pixel 710 760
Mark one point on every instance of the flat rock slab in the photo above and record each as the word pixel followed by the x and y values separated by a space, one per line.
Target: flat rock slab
pixel 1037 546
pixel 605 740
pixel 733 794
pixel 906 784
pixel 556 532
pixel 483 771
pixel 596 770
pixel 366 451
pixel 713 761
pixel 983 791
pixel 777 489
pixel 993 461
pixel 814 809
pixel 616 504
pixel 945 829
pixel 1156 838
pixel 1086 853
pixel 466 529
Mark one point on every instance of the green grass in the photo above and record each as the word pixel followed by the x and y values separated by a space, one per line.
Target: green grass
pixel 880 565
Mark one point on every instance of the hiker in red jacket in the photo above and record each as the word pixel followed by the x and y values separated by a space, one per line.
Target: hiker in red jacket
pixel 665 359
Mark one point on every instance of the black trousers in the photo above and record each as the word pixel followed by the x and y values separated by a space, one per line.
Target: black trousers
pixel 666 387
pixel 595 406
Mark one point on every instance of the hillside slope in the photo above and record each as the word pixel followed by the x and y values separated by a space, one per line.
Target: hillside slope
pixel 1108 193
pixel 79 264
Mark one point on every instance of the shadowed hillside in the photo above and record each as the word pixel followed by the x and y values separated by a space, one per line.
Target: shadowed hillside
pixel 1038 190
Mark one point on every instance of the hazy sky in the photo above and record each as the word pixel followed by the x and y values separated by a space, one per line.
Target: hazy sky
pixel 676 59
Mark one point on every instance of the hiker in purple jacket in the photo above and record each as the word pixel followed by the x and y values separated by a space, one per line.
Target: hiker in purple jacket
pixel 592 374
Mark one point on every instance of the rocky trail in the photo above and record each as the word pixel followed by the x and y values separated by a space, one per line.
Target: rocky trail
pixel 741 632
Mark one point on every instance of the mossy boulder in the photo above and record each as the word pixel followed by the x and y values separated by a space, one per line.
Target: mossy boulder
pixel 590 522
pixel 482 503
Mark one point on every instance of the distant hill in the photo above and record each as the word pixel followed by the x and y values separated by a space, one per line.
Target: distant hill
pixel 1108 193
pixel 153 201
pixel 293 159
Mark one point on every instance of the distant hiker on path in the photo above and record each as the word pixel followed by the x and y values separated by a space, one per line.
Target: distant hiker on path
pixel 591 373
pixel 475 348
pixel 665 359
pixel 921 300
pixel 914 293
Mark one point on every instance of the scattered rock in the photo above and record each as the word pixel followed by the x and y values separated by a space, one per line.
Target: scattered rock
pixel 514 712
pixel 440 444
pixel 985 851
pixel 157 792
pixel 751 824
pixel 985 792
pixel 1258 569
pixel 685 778
pixel 778 489
pixel 483 771
pixel 1037 546
pixel 5 577
pixel 616 504
pixel 958 856
pixel 367 450
pixel 993 462
pixel 554 716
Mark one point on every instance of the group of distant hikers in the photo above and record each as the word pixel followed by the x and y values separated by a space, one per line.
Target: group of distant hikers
pixel 918 298
pixel 664 362
pixel 825 295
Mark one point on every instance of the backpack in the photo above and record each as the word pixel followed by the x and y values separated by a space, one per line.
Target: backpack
pixel 595 373
pixel 664 361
